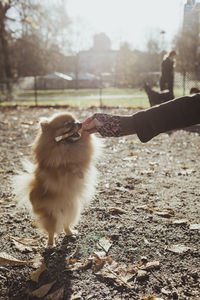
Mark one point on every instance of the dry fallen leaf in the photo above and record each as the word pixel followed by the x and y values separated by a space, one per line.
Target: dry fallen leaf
pixel 37 261
pixel 141 274
pixel 8 260
pixel 119 273
pixel 129 158
pixel 180 222
pixel 75 265
pixel 134 142
pixel 179 249
pixel 194 226
pixel 117 210
pixel 132 154
pixel 26 241
pixel 25 244
pixel 105 243
pixel 27 122
pixel 36 274
pixel 151 298
pixel 43 290
pixel 98 259
pixel 165 292
pixel 184 167
pixel 77 296
pixel 57 295
pixel 151 265
pixel 34 224
pixel 21 247
pixel 164 212
pixel 186 172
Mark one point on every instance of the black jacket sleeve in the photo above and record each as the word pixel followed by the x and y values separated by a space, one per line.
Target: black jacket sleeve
pixel 175 114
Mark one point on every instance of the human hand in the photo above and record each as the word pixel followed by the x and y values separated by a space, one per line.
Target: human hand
pixel 90 125
pixel 107 125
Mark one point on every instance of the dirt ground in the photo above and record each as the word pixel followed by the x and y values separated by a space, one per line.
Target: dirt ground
pixel 144 219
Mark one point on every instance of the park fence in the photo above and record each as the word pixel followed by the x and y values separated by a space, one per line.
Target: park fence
pixel 183 82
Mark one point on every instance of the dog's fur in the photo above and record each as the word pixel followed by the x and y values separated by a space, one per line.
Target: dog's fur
pixel 63 177
pixel 156 98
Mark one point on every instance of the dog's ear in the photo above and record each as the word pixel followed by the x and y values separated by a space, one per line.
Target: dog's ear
pixel 44 123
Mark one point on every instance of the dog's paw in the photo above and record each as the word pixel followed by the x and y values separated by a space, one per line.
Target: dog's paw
pixel 70 231
pixel 50 246
pixel 51 240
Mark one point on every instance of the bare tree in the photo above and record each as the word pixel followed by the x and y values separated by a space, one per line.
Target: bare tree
pixel 32 40
pixel 124 69
pixel 6 72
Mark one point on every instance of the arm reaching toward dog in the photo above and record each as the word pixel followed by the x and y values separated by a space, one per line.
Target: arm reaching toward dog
pixel 175 114
pixel 107 125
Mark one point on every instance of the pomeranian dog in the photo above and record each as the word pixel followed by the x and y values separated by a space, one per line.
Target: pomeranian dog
pixel 63 176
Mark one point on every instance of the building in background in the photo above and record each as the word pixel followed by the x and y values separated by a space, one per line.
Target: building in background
pixel 100 58
pixel 191 19
pixel 96 65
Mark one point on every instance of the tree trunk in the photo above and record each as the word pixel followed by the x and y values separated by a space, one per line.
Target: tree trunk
pixel 7 73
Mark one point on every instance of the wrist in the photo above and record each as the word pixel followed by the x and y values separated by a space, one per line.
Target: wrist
pixel 127 125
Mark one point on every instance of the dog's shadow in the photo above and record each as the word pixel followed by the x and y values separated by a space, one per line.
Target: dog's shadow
pixel 55 260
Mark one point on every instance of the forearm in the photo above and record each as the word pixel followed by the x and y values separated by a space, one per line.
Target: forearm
pixel 174 114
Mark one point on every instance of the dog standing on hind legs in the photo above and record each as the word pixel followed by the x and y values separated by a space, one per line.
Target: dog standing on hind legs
pixel 63 177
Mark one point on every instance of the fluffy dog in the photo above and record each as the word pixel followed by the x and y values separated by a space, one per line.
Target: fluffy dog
pixel 63 177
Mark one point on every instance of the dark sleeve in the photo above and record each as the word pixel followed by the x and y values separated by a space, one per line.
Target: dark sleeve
pixel 167 68
pixel 174 114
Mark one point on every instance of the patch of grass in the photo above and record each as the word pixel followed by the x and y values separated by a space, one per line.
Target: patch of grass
pixel 120 102
pixel 80 92
pixel 113 97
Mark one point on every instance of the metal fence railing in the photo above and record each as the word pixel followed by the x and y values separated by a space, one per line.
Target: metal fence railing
pixel 185 81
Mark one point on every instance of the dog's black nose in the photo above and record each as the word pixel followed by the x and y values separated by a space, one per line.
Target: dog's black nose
pixel 78 126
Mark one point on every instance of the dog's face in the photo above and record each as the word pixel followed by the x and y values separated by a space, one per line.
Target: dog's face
pixel 60 142
pixel 63 128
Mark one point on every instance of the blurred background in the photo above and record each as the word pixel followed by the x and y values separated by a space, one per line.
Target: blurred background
pixel 95 52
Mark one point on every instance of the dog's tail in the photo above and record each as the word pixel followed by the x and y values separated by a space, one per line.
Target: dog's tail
pixel 21 184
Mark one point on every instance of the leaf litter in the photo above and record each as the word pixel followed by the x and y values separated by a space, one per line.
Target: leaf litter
pixel 178 234
pixel 25 244
pixel 179 249
pixel 120 273
pixel 9 260
pixel 105 243
pixel 162 212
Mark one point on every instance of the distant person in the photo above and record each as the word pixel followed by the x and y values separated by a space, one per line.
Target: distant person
pixel 167 73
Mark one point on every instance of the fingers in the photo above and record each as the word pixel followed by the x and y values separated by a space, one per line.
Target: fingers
pixel 89 131
pixel 86 122
pixel 90 125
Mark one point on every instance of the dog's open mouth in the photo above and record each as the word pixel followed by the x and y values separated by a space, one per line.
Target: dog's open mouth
pixel 73 138
pixel 71 135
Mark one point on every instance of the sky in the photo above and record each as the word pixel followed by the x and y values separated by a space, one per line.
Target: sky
pixel 134 21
